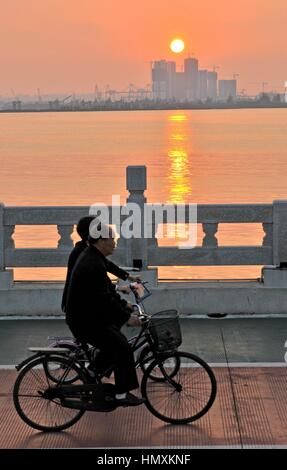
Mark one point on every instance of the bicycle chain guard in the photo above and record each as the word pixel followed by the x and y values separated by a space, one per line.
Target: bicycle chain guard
pixel 90 397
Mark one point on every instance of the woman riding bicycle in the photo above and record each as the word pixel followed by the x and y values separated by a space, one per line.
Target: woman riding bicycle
pixel 95 312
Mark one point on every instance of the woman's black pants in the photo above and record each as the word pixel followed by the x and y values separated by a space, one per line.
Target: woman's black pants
pixel 115 350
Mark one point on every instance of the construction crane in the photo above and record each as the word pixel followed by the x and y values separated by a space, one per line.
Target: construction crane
pixel 131 92
pixel 107 92
pixel 190 55
pixel 242 94
pixel 97 94
pixel 263 84
pixel 65 99
pixel 55 104
pixel 39 96
pixel 16 103
pixel 110 95
pixel 213 67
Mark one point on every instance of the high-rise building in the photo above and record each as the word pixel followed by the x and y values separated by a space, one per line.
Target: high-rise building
pixel 159 80
pixel 212 85
pixel 202 74
pixel 179 92
pixel 191 78
pixel 227 89
pixel 163 79
pixel 171 79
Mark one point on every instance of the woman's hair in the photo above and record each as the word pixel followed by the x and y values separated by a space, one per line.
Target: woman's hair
pixel 83 227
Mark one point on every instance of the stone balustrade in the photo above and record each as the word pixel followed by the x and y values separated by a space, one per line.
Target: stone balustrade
pixel 265 296
pixel 272 250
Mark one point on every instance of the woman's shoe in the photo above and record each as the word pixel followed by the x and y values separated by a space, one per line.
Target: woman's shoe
pixel 129 400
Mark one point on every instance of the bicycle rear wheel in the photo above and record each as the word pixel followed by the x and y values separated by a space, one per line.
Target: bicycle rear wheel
pixel 55 373
pixel 184 397
pixel 31 396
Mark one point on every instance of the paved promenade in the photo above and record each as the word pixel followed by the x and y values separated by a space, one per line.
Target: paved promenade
pixel 248 357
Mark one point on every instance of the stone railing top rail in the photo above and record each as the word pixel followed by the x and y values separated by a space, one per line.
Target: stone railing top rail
pixel 206 213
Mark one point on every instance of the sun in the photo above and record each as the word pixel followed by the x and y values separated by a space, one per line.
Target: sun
pixel 177 45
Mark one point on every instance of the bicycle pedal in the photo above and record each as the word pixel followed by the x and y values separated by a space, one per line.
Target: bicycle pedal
pixel 92 373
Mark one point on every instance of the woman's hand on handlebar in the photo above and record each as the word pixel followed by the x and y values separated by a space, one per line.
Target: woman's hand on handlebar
pixel 130 306
pixel 134 320
pixel 124 289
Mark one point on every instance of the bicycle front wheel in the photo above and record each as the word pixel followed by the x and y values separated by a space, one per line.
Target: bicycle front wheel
pixel 33 395
pixel 184 397
pixel 147 357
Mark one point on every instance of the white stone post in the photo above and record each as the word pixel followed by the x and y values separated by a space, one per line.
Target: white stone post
pixel 2 262
pixel 137 248
pixel 272 275
pixel 6 276
pixel 279 232
pixel 136 185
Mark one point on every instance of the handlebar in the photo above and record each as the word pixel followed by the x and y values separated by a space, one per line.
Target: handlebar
pixel 142 315
pixel 140 290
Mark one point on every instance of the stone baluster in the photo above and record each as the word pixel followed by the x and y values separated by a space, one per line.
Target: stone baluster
pixel 268 238
pixel 210 231
pixel 65 232
pixel 8 237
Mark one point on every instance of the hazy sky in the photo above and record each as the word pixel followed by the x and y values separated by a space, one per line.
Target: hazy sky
pixel 71 45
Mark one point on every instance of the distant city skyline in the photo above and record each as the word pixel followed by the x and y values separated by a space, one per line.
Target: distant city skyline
pixel 191 84
pixel 62 46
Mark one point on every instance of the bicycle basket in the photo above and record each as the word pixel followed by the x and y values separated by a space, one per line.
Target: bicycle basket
pixel 165 330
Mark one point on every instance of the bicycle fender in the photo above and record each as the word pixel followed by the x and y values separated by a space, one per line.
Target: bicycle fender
pixel 31 358
pixel 26 361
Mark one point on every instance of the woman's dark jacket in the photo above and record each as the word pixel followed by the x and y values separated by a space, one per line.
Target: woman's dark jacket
pixel 91 297
pixel 78 249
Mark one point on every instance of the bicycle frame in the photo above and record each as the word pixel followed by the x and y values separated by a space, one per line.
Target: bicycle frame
pixel 137 342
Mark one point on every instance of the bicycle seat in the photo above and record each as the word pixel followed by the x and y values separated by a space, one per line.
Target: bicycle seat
pixel 82 343
pixel 86 347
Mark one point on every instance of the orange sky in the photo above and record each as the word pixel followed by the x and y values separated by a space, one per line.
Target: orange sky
pixel 71 45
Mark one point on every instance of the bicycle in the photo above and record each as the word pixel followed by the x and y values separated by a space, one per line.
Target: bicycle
pixel 54 387
pixel 88 354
